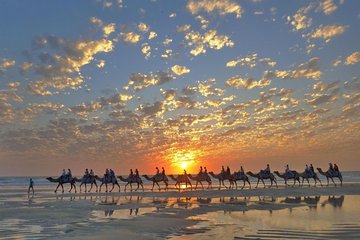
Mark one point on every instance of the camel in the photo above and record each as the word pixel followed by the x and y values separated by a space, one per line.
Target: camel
pixel 286 177
pixel 106 180
pixel 181 178
pixel 156 179
pixel 308 175
pixel 131 180
pixel 61 181
pixel 87 180
pixel 222 177
pixel 237 176
pixel 261 176
pixel 331 175
pixel 201 177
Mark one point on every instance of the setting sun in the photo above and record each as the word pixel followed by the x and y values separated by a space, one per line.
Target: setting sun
pixel 184 159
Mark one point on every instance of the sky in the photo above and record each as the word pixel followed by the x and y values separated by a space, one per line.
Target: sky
pixel 178 84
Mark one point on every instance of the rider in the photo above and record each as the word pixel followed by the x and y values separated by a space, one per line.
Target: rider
pixel 185 172
pixel 86 174
pixel 222 169
pixel 157 171
pixel 200 171
pixel 205 170
pixel 307 170
pixel 331 168
pixel 68 174
pixel 336 169
pixel 112 174
pixel 107 173
pixel 288 171
pixel 137 173
pixel 266 171
pixel 242 170
pixel 228 172
pixel 131 175
pixel 91 173
pixel 63 175
pixel 312 168
pixel 163 171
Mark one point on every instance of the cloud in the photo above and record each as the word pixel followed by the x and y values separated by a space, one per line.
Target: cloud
pixel 210 39
pixel 320 86
pixel 309 69
pixel 180 70
pixel 146 50
pixel 321 98
pixel 10 94
pixel 328 6
pixel 62 68
pixel 250 61
pixel 131 37
pixel 247 83
pixel 143 27
pixel 183 28
pixel 6 64
pixel 207 88
pixel 152 110
pixel 352 58
pixel 152 35
pixel 328 32
pixel 300 20
pixel 138 81
pixel 222 7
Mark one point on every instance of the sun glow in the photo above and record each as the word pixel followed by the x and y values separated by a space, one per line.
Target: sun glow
pixel 184 159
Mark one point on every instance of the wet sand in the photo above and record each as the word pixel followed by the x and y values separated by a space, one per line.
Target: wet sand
pixel 292 212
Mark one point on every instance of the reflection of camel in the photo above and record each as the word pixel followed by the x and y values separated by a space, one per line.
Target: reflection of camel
pixel 131 180
pixel 306 176
pixel 331 175
pixel 239 176
pixel 222 177
pixel 334 201
pixel 203 200
pixel 61 181
pixel 106 180
pixel 181 178
pixel 156 179
pixel 286 177
pixel 312 200
pixel 292 200
pixel 87 180
pixel 261 176
pixel 203 177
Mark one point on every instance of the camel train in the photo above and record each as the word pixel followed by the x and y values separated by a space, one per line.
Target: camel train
pixel 184 180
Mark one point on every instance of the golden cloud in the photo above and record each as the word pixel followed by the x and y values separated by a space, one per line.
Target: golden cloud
pixel 328 32
pixel 180 70
pixel 328 6
pixel 352 58
pixel 131 37
pixel 222 7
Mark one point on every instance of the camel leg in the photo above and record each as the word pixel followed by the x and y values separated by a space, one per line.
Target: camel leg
pixel 142 186
pixel 125 187
pixel 117 184
pixel 340 178
pixel 327 178
pixel 190 186
pixel 158 185
pixel 257 183
pixel 249 183
pixel 209 185
pixel 202 186
pixel 332 179
pixel 276 183
pixel 96 186
pixel 138 185
pixel 264 183
pixel 57 188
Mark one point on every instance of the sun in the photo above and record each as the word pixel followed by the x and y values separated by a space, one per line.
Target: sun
pixel 184 159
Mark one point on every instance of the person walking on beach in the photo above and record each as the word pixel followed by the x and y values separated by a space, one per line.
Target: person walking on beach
pixel 31 186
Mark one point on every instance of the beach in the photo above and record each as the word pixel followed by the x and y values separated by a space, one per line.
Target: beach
pixel 327 212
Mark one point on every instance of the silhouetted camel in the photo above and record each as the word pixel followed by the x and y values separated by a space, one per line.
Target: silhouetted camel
pixel 181 178
pixel 222 177
pixel 261 176
pixel 286 177
pixel 88 180
pixel 156 179
pixel 203 177
pixel 63 180
pixel 306 176
pixel 131 180
pixel 239 176
pixel 331 175
pixel 106 180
